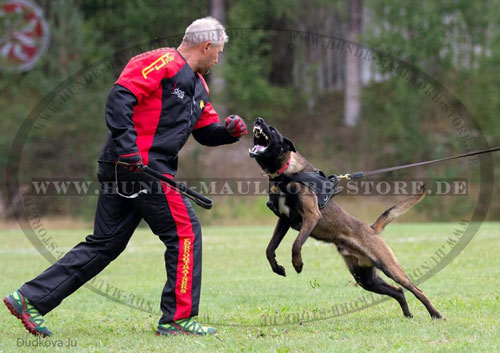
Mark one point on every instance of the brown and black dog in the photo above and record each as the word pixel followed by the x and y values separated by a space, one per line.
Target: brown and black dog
pixel 363 249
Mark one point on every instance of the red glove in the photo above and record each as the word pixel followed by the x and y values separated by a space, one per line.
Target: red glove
pixel 131 162
pixel 235 126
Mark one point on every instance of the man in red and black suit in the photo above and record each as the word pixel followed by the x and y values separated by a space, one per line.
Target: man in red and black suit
pixel 159 100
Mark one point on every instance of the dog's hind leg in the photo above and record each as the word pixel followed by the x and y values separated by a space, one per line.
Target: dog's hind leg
pixel 368 278
pixel 387 262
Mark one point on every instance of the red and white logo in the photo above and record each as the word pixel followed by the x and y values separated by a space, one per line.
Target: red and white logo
pixel 24 35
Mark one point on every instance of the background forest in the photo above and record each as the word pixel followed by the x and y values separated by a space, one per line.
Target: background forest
pixel 296 64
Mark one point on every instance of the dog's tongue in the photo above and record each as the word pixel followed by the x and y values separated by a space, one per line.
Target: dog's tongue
pixel 258 148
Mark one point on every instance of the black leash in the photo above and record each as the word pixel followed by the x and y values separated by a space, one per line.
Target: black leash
pixel 200 200
pixel 362 174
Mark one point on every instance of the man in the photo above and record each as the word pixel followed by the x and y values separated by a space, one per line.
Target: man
pixel 159 99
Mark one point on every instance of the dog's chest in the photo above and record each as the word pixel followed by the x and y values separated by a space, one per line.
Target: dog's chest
pixel 283 208
pixel 286 205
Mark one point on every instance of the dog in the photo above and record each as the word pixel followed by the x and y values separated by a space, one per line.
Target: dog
pixel 361 245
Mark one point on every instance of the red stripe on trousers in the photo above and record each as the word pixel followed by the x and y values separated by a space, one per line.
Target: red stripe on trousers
pixel 184 278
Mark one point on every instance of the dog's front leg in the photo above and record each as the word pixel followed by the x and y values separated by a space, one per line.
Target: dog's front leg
pixel 279 232
pixel 310 218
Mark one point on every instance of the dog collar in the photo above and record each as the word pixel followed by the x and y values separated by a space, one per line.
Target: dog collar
pixel 281 170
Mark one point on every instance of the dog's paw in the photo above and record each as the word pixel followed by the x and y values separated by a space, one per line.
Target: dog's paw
pixel 437 316
pixel 280 270
pixel 298 266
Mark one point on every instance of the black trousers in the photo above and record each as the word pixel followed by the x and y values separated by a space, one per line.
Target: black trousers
pixel 169 215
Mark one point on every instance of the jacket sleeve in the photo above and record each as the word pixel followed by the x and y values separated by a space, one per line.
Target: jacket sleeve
pixel 119 112
pixel 213 135
pixel 208 117
pixel 209 132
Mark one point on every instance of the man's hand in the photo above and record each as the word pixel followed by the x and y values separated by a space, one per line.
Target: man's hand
pixel 131 162
pixel 235 126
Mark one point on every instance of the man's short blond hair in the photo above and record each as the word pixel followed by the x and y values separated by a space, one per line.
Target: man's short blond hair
pixel 206 29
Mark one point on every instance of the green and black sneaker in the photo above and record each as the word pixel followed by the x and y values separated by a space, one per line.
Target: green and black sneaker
pixel 184 327
pixel 21 308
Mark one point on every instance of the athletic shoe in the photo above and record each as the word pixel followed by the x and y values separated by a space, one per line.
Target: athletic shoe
pixel 21 308
pixel 184 327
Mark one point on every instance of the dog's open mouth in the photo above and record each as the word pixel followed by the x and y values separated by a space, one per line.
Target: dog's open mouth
pixel 260 141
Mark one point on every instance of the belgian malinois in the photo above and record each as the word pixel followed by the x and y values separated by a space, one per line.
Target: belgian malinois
pixel 363 249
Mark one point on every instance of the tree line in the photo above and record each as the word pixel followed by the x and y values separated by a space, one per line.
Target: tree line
pixel 346 111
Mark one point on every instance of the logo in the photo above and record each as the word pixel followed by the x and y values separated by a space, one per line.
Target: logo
pixel 179 93
pixel 25 35
pixel 202 104
pixel 185 265
pixel 157 64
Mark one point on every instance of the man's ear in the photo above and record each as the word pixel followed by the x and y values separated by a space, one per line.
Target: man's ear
pixel 290 145
pixel 207 46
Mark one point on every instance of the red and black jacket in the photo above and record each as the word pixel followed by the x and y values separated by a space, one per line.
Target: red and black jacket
pixel 155 104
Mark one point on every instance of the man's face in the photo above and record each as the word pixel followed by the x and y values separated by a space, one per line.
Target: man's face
pixel 209 57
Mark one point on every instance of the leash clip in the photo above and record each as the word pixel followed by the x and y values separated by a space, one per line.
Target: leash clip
pixel 344 176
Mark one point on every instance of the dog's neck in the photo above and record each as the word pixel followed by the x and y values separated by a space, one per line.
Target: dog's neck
pixel 296 163
pixel 292 163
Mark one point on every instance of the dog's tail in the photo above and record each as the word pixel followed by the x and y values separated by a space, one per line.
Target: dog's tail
pixel 397 210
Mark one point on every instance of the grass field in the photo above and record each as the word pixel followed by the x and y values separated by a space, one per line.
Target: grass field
pixel 239 288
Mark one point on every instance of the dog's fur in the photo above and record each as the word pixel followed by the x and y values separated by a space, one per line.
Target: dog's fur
pixel 363 249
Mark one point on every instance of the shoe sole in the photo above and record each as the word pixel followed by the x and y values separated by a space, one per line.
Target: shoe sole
pixel 160 332
pixel 174 333
pixel 27 325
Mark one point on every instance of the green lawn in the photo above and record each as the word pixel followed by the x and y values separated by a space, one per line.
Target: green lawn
pixel 239 288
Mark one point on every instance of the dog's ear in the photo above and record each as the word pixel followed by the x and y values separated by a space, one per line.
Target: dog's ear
pixel 289 144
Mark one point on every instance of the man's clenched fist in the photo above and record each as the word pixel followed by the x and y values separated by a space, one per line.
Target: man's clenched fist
pixel 131 162
pixel 235 126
